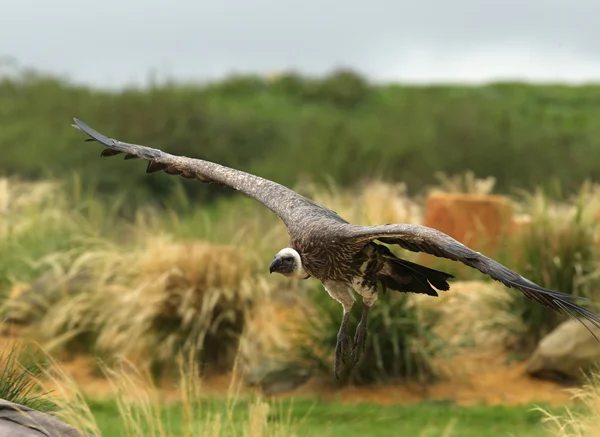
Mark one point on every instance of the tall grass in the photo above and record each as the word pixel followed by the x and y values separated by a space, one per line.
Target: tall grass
pixel 85 278
pixel 556 248
pixel 18 373
pixel 158 283
pixel 143 410
pixel 152 301
pixel 401 343
pixel 371 202
pixel 39 218
pixel 466 182
pixel 584 421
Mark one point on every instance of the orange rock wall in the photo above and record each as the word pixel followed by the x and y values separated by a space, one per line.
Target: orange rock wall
pixel 479 221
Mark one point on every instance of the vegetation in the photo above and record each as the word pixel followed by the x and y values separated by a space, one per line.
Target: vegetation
pixel 84 278
pixel 299 417
pixel 19 370
pixel 581 421
pixel 317 418
pixel 141 293
pixel 400 345
pixel 162 267
pixel 337 127
pixel 557 248
pixel 138 408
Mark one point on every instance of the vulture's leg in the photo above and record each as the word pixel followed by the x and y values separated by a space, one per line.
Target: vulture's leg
pixel 369 295
pixel 344 344
pixel 342 293
pixel 360 336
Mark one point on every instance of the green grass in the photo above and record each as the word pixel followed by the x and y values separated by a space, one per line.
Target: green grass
pixel 317 418
pixel 17 379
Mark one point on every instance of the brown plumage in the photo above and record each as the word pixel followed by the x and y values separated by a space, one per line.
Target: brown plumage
pixel 341 255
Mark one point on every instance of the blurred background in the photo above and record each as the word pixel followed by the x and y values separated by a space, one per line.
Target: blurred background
pixel 389 90
pixel 481 119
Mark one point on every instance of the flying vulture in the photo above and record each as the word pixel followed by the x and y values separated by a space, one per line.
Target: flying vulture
pixel 342 255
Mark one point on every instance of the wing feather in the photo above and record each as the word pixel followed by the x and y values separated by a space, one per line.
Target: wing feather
pixel 279 199
pixel 417 238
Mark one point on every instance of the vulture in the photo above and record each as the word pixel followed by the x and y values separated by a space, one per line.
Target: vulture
pixel 341 255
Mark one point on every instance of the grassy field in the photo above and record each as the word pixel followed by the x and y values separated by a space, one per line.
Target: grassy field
pixel 100 261
pixel 313 418
pixel 138 407
pixel 193 280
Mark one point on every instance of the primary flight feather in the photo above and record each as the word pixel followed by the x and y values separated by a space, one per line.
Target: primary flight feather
pixel 341 255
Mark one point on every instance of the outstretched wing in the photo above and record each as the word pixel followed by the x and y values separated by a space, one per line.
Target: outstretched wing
pixel 279 199
pixel 418 238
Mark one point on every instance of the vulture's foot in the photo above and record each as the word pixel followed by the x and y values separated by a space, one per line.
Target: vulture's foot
pixel 343 345
pixel 360 337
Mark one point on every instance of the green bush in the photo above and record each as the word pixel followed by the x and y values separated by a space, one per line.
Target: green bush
pixel 18 373
pixel 558 251
pixel 400 342
pixel 344 89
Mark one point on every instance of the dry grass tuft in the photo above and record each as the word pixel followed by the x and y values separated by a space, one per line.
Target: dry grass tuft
pixel 482 321
pixel 20 205
pixel 558 250
pixel 466 183
pixel 154 300
pixel 371 203
pixel 186 294
pixel 144 411
pixel 578 424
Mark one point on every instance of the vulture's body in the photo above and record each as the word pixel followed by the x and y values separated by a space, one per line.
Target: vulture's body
pixel 344 256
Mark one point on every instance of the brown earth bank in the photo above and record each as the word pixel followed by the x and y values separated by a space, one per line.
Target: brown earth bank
pixel 484 378
pixel 474 378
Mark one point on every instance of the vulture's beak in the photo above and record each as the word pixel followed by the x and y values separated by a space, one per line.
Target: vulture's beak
pixel 275 264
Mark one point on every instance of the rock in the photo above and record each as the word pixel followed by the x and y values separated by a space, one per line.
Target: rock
pixel 19 421
pixel 30 304
pixel 567 353
pixel 275 378
pixel 479 221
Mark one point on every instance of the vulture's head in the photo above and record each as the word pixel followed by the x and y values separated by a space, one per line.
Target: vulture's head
pixel 288 263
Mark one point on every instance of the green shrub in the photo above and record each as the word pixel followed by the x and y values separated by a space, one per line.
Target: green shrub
pixel 400 342
pixel 558 251
pixel 345 89
pixel 18 373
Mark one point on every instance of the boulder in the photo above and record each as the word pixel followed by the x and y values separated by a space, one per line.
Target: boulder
pixel 565 354
pixel 479 221
pixel 19 421
pixel 27 305
pixel 273 378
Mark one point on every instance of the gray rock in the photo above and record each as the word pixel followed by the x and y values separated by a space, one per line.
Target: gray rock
pixel 274 378
pixel 568 353
pixel 41 295
pixel 19 421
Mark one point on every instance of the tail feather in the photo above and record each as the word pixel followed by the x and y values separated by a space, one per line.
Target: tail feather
pixel 437 278
pixel 405 276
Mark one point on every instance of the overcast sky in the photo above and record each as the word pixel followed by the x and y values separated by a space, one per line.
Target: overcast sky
pixel 116 42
